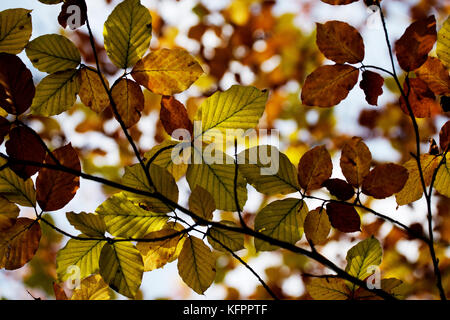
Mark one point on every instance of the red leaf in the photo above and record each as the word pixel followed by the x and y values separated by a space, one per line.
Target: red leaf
pixel 56 188
pixel 339 188
pixel 421 98
pixel 384 180
pixel 174 116
pixel 16 85
pixel 343 217
pixel 24 144
pixel 372 85
pixel 413 46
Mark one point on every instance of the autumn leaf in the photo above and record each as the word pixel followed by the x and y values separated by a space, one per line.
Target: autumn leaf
pixel 15 30
pixel 167 71
pixel 444 136
pixel 60 294
pixel 443 43
pixel 129 100
pixel 16 189
pixel 421 99
pixel 8 214
pixel 223 239
pixel 415 43
pixel 372 85
pixel 355 161
pixel 164 158
pixel 442 184
pixel 314 168
pixel 19 243
pixel 88 223
pixel 435 75
pixel 196 265
pixel 52 53
pixel 92 92
pixel 56 188
pixel 92 288
pixel 127 33
pixel 317 226
pixel 16 85
pixel 340 42
pixel 202 203
pixel 339 188
pixel 329 85
pixel 174 116
pixel 343 217
pixel 384 180
pixel 328 288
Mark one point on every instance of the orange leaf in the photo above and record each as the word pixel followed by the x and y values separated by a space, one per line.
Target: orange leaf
pixel 129 100
pixel 16 84
pixel 435 75
pixel 355 161
pixel 314 168
pixel 23 144
pixel 329 85
pixel 19 243
pixel 413 46
pixel 343 217
pixel 385 180
pixel 56 188
pixel 372 85
pixel 444 136
pixel 421 98
pixel 340 42
pixel 60 294
pixel 174 116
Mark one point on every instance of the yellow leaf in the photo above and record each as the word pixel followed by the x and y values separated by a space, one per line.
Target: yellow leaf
pixel 92 288
pixel 8 213
pixel 282 220
pixel 317 226
pixel 129 100
pixel 125 219
pixel 196 265
pixel 122 268
pixel 442 183
pixel 164 159
pixel 162 180
pixel 392 286
pixel 83 254
pixel 218 238
pixel 127 33
pixel 56 93
pixel 52 53
pixel 413 189
pixel 272 173
pixel 15 189
pixel 328 289
pixel 167 71
pixel 19 243
pixel 202 203
pixel 15 30
pixel 157 253
pixel 443 43
pixel 88 223
pixel 92 93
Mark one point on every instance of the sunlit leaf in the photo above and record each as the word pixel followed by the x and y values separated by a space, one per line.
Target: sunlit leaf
pixel 328 289
pixel 201 202
pixel 443 43
pixel 92 288
pixel 317 226
pixel 422 100
pixel 88 223
pixel 384 180
pixel 129 100
pixel 314 168
pixel 220 238
pixel 15 30
pixel 355 161
pixel 8 214
pixel 92 92
pixel 15 189
pixel 435 75
pixel 442 183
pixel 165 158
pixel 174 116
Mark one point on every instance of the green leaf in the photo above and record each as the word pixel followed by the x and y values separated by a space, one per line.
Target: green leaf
pixel 125 219
pixel 162 180
pixel 232 240
pixel 122 268
pixel 361 257
pixel 240 107
pixel 15 30
pixel 217 179
pixel 56 93
pixel 15 189
pixel 127 33
pixel 270 171
pixel 282 220
pixel 84 254
pixel 88 223
pixel 443 43
pixel 196 265
pixel 52 53
pixel 442 182
pixel 328 289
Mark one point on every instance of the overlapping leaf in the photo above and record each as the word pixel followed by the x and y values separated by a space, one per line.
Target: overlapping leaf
pixel 442 183
pixel 222 239
pixel 174 116
pixel 202 203
pixel 443 43
pixel 89 224
pixel 421 99
pixel 15 189
pixel 328 289
pixel 317 226
pixel 92 288
pixel 15 30
pixel 343 217
pixel 129 100
pixel 92 92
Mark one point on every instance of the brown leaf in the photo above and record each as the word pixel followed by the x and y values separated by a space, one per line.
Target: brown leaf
pixel 329 85
pixel 340 42
pixel 56 188
pixel 343 217
pixel 19 243
pixel 60 294
pixel 435 75
pixel 384 180
pixel 24 144
pixel 314 168
pixel 339 188
pixel 317 226
pixel 129 100
pixel 444 136
pixel 413 46
pixel 355 161
pixel 372 85
pixel 421 98
pixel 338 2
pixel 16 85
pixel 67 13
pixel 5 125
pixel 92 92
pixel 174 116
